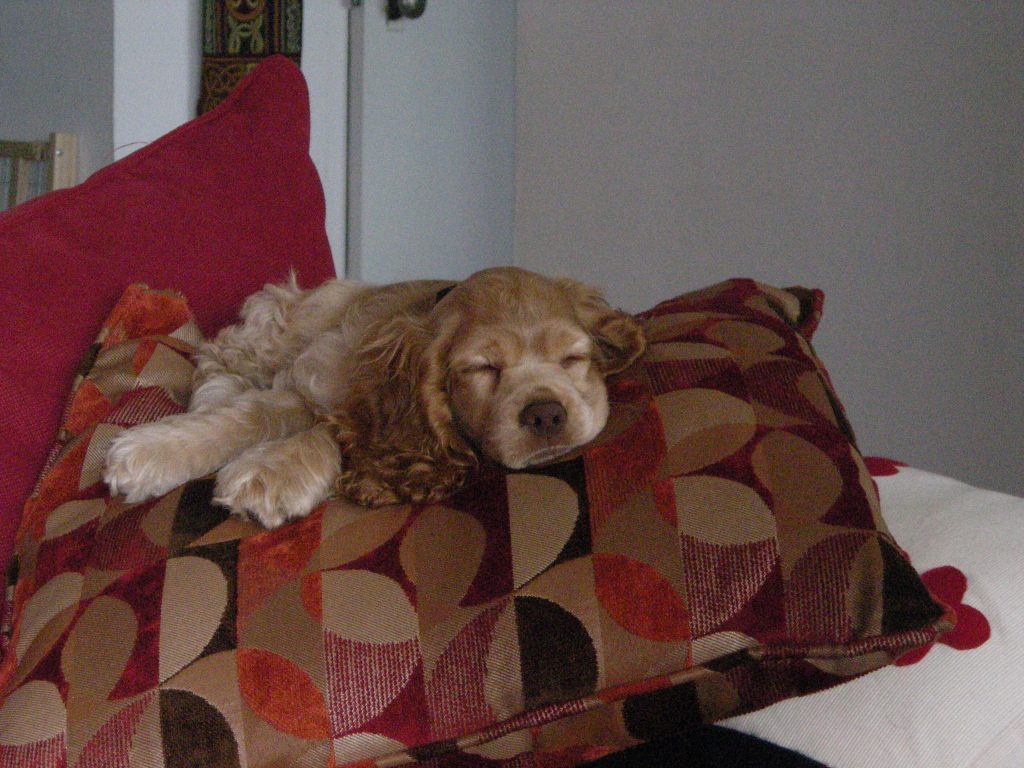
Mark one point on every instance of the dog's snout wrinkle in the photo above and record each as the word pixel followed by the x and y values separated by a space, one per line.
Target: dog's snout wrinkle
pixel 545 418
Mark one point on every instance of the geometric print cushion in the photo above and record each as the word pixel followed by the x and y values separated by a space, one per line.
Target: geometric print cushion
pixel 718 548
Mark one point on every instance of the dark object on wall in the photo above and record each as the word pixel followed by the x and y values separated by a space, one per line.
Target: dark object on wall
pixel 238 35
pixel 406 9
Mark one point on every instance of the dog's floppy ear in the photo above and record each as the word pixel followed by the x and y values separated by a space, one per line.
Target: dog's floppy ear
pixel 396 428
pixel 434 396
pixel 618 337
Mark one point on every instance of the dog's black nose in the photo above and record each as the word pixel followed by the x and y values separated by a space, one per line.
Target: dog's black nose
pixel 545 418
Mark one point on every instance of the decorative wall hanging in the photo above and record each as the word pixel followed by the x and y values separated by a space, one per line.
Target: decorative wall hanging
pixel 238 35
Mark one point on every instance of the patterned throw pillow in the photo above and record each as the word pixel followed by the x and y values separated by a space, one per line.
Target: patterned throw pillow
pixel 719 548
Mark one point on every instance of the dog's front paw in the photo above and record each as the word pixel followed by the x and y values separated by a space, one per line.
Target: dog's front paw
pixel 268 485
pixel 141 464
pixel 369 492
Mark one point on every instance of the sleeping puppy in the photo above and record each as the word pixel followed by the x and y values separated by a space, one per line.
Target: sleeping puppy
pixel 383 394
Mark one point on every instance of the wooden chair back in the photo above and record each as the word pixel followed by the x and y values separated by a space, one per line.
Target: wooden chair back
pixel 31 168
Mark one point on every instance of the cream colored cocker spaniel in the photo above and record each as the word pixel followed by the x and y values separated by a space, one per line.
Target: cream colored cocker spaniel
pixel 383 394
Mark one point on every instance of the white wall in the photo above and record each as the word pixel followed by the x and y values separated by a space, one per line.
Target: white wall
pixel 156 55
pixel 56 74
pixel 431 150
pixel 871 149
pixel 325 66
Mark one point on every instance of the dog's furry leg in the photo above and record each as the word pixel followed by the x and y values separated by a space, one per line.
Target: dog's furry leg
pixel 151 459
pixel 277 481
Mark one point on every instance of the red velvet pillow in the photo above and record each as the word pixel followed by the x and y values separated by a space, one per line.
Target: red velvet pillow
pixel 216 208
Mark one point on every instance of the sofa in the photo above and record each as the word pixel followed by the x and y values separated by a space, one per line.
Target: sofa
pixel 722 553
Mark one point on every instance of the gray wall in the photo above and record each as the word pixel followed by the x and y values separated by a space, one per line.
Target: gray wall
pixel 432 130
pixel 56 74
pixel 870 149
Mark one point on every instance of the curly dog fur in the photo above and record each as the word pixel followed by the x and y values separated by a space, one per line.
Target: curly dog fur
pixel 383 394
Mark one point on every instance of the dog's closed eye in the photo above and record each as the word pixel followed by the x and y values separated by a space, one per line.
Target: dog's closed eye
pixel 481 367
pixel 570 361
